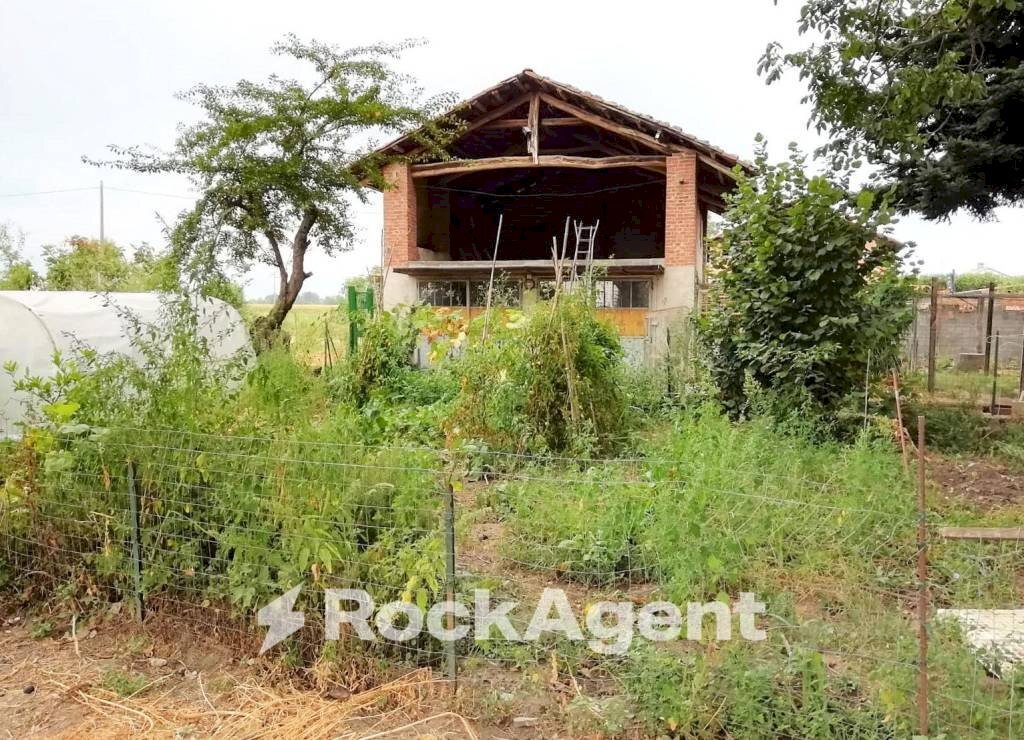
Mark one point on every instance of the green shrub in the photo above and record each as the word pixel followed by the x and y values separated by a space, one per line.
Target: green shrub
pixel 806 289
pixel 244 490
pixel 965 430
pixel 747 691
pixel 386 343
pixel 546 380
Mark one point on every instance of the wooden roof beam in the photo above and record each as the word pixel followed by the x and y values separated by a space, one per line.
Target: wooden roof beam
pixel 600 122
pixel 434 169
pixel 718 167
pixel 545 122
pixel 534 128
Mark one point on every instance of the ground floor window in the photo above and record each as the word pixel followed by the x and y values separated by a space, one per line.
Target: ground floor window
pixel 506 293
pixel 443 292
pixel 458 293
pixel 623 294
pixel 610 293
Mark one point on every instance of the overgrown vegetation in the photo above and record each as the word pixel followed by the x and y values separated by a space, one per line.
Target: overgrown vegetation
pixel 547 380
pixel 603 479
pixel 251 483
pixel 807 292
pixel 246 485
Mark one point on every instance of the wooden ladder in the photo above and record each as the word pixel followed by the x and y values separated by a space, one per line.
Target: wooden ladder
pixel 584 254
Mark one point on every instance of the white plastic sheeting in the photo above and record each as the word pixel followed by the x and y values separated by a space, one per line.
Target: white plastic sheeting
pixel 35 324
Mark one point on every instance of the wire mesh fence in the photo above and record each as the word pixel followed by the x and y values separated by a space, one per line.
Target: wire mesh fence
pixel 215 528
pixel 978 347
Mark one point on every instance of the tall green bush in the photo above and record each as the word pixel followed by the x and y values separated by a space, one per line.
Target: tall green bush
pixel 383 355
pixel 806 288
pixel 546 380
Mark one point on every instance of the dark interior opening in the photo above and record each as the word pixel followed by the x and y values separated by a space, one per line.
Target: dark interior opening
pixel 458 216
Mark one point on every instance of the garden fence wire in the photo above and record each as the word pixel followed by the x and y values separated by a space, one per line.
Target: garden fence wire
pixel 978 345
pixel 209 528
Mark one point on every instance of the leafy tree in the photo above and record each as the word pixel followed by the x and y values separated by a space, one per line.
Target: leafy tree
pixel 807 286
pixel 930 91
pixel 275 159
pixel 17 272
pixel 86 264
pixel 93 265
pixel 975 281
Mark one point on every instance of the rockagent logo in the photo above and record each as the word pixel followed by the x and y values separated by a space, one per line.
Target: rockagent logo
pixel 611 625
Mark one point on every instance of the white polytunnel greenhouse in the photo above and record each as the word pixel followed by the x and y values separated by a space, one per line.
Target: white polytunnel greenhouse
pixel 36 324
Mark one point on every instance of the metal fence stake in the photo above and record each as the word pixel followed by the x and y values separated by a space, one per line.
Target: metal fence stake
pixel 136 536
pixel 933 333
pixel 449 549
pixel 922 587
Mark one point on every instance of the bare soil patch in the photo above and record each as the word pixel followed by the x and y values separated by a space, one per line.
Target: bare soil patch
pixel 984 483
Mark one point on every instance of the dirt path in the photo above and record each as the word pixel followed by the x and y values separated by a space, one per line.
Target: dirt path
pixel 120 681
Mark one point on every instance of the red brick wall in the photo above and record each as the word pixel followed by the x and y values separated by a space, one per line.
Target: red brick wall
pixel 399 216
pixel 682 211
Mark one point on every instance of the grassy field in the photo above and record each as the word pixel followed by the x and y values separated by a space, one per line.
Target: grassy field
pixel 971 388
pixel 305 325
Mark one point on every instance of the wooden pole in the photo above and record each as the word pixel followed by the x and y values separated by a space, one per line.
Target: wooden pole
pixel 899 419
pixel 995 378
pixel 922 586
pixel 933 332
pixel 1020 383
pixel 867 388
pixel 913 342
pixel 490 283
pixel 984 534
pixel 327 346
pixel 533 123
pixel 988 324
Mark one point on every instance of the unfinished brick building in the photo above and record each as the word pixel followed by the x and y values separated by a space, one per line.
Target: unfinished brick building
pixel 533 153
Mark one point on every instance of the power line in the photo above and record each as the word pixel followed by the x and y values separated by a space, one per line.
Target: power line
pixel 47 192
pixel 150 192
pixel 96 187
pixel 117 189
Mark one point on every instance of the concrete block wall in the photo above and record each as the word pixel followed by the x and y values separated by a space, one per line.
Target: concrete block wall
pixel 961 329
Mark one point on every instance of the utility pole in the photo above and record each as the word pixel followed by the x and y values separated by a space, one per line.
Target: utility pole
pixel 101 211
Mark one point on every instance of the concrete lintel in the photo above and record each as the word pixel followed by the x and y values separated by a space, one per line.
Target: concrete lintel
pixel 638 266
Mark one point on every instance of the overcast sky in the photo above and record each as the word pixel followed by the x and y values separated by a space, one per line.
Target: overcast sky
pixel 78 75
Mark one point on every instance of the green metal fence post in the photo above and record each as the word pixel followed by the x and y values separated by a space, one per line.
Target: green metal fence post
pixel 353 312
